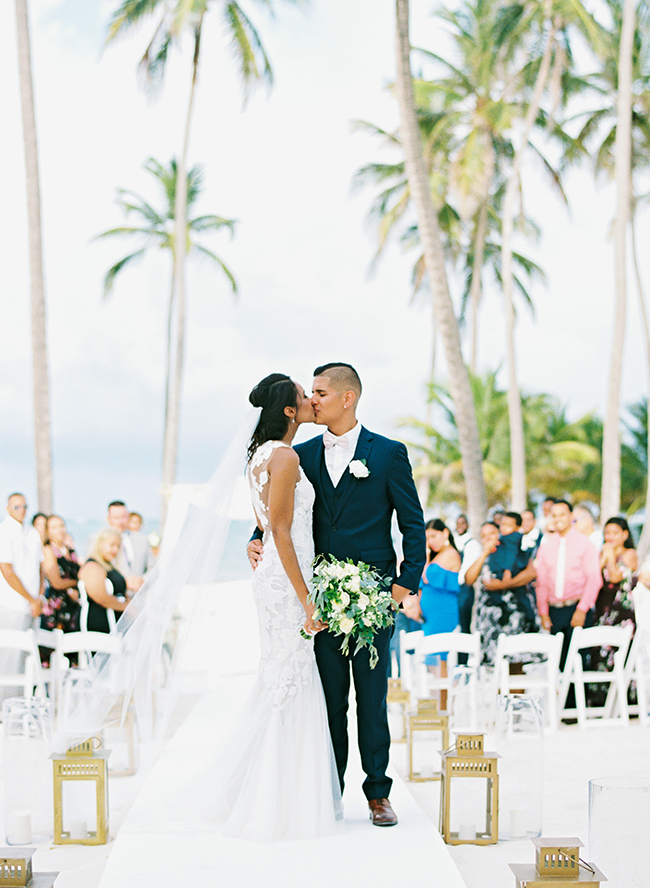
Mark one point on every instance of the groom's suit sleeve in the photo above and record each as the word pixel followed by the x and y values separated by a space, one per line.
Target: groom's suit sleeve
pixel 410 519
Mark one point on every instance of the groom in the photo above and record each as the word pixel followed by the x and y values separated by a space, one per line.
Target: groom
pixel 353 514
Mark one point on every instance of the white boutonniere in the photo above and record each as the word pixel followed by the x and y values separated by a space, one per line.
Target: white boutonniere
pixel 359 468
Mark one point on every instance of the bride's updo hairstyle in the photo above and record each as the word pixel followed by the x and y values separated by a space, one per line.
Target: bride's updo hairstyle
pixel 272 394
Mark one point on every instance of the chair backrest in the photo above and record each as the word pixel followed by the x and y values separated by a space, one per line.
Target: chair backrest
pixel 530 643
pixel 87 642
pixel 18 640
pixel 449 643
pixel 602 636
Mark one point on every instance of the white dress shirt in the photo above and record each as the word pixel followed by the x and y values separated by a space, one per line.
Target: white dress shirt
pixel 338 458
pixel 20 546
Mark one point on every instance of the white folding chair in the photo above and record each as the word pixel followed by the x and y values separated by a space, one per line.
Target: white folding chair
pixel 537 678
pixel 84 645
pixel 71 680
pixel 460 680
pixel 617 637
pixel 637 670
pixel 23 671
pixel 407 645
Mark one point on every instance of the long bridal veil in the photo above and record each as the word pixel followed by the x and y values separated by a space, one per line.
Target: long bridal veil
pixel 140 676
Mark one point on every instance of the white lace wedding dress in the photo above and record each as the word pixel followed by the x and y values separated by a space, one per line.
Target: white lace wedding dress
pixel 279 775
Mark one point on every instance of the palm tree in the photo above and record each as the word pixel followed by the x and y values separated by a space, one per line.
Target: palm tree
pixel 174 19
pixel 157 228
pixel 562 453
pixel 434 260
pixel 40 360
pixel 600 127
pixel 542 25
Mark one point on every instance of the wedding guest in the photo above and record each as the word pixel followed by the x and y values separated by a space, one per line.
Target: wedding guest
pixel 39 521
pixel 462 535
pixel 619 564
pixel 61 567
pixel 568 577
pixel 547 507
pixel 503 605
pixel 583 521
pixel 21 579
pixel 532 535
pixel 135 522
pixel 21 576
pixel 466 591
pixel 507 560
pixel 439 590
pixel 497 515
pixel 105 600
pixel 135 557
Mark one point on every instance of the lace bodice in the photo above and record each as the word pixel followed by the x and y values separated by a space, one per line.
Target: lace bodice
pixel 287 659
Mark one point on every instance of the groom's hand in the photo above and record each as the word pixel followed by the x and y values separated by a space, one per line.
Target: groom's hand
pixel 255 550
pixel 399 593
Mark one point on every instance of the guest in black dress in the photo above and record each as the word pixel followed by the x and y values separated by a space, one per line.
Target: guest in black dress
pixel 60 566
pixel 102 586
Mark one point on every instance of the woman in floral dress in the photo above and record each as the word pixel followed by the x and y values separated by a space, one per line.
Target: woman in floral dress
pixel 501 606
pixel 615 606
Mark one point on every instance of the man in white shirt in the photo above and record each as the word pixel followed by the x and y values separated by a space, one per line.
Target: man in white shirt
pixel 22 581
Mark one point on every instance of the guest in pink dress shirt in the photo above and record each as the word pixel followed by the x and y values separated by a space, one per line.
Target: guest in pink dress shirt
pixel 568 577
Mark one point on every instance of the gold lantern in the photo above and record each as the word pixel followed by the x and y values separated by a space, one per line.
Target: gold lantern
pixel 468 761
pixel 398 694
pixel 426 718
pixel 557 862
pixel 16 870
pixel 81 764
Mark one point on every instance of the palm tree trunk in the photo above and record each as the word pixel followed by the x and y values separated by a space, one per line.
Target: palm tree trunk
pixel 445 316
pixel 40 362
pixel 644 543
pixel 610 500
pixel 475 285
pixel 175 377
pixel 517 448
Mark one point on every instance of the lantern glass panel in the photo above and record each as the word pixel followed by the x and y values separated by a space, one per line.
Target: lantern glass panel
pixel 27 770
pixel 619 826
pixel 78 804
pixel 468 799
pixel 520 744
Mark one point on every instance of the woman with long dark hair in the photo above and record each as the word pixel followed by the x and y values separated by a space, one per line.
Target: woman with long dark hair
pixel 276 778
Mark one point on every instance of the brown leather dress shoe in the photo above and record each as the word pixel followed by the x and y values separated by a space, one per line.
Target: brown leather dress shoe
pixel 381 812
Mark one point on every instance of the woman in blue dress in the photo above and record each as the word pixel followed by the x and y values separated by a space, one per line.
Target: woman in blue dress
pixel 439 590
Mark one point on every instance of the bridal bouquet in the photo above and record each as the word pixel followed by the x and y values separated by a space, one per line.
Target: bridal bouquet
pixel 354 600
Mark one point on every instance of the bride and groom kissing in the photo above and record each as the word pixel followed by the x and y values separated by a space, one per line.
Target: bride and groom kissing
pixel 332 495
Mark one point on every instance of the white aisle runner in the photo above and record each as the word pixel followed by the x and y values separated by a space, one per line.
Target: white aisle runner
pixel 152 850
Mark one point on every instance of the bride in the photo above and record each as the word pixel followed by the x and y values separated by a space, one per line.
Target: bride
pixel 277 779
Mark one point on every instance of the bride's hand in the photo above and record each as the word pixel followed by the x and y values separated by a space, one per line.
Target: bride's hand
pixel 310 625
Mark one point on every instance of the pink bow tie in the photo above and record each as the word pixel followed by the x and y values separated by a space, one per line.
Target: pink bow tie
pixel 329 440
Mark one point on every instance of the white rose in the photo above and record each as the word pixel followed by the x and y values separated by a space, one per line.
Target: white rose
pixel 346 625
pixel 363 601
pixel 355 584
pixel 351 570
pixel 338 571
pixel 345 599
pixel 359 469
pixel 366 621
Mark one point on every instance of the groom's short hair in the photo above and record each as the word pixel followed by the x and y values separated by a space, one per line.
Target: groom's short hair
pixel 341 375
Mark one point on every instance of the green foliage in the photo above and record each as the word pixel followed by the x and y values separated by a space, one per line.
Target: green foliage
pixel 154 227
pixel 562 455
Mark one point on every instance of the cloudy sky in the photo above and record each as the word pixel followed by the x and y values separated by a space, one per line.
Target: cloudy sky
pixel 301 253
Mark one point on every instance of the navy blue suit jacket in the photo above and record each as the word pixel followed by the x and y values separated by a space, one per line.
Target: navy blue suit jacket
pixel 353 520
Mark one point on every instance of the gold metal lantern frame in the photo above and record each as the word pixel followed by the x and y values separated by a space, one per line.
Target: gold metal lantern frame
pixel 468 761
pixel 81 763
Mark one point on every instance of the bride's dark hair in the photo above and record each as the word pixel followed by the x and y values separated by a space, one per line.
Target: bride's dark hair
pixel 272 394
